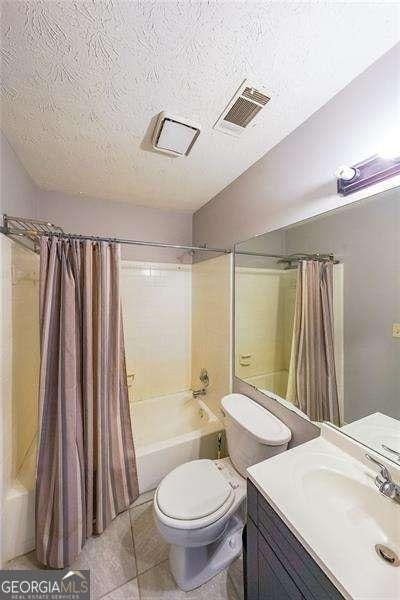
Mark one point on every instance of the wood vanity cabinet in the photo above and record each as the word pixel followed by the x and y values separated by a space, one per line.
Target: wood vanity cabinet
pixel 277 566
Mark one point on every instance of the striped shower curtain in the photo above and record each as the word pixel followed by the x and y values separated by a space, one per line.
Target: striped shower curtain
pixel 312 385
pixel 86 472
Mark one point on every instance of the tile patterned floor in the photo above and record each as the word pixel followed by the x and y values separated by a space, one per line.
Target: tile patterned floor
pixel 129 562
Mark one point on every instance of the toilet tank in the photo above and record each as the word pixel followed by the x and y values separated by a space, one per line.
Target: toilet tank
pixel 252 432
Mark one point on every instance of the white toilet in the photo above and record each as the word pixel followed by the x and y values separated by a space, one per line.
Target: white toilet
pixel 199 506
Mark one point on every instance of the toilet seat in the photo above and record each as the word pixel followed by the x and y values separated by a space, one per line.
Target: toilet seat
pixel 193 495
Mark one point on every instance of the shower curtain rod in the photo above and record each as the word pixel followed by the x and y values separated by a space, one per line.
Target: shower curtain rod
pixel 96 238
pixel 33 229
pixel 291 257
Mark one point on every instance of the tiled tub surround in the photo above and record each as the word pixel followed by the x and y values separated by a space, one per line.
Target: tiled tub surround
pixel 171 430
pixel 167 306
pixel 20 367
pixel 264 310
pixel 211 326
pixel 130 562
pixel 156 301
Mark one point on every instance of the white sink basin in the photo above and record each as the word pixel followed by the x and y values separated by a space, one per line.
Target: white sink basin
pixel 329 499
pixel 351 495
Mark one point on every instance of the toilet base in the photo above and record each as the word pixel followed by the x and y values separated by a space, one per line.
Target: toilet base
pixel 191 567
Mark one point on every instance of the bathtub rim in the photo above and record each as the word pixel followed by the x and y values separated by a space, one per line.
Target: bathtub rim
pixel 212 425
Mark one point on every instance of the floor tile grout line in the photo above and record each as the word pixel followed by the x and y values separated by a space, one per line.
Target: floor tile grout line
pixel 153 567
pixel 233 587
pixel 146 571
pixel 117 588
pixel 134 546
pixel 134 550
pixel 228 575
pixel 128 510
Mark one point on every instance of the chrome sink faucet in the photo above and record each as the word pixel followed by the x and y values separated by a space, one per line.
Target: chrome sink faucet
pixel 384 481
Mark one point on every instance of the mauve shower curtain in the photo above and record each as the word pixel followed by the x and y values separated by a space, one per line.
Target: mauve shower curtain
pixel 86 471
pixel 312 385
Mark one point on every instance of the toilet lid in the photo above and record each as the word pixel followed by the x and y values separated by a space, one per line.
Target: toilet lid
pixel 256 420
pixel 193 490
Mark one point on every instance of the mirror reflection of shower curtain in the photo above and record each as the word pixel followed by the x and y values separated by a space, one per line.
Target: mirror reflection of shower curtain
pixel 312 385
pixel 86 471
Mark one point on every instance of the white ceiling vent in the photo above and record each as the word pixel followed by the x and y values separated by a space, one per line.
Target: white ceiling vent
pixel 248 101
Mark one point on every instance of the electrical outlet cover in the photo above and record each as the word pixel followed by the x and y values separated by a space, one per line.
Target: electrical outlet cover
pixel 396 330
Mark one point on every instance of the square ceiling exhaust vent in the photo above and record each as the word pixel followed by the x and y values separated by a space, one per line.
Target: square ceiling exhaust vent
pixel 242 110
pixel 174 136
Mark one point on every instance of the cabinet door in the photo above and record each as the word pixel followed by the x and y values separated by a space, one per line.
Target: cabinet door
pixel 274 583
pixel 251 586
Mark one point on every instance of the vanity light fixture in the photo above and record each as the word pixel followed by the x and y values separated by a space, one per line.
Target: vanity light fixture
pixel 345 173
pixel 174 136
pixel 377 168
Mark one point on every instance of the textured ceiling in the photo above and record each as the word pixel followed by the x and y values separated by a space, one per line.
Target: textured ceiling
pixel 83 80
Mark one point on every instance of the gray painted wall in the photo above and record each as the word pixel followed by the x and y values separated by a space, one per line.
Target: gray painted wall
pixel 17 191
pixel 120 219
pixel 365 237
pixel 20 197
pixel 295 179
pixel 273 243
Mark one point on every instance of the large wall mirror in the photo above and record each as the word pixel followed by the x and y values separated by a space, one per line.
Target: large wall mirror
pixel 317 318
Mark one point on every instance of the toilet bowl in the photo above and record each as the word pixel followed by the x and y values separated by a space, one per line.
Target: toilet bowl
pixel 199 507
pixel 197 510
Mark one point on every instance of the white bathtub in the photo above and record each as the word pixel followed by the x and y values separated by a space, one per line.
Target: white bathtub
pixel 276 382
pixel 19 510
pixel 274 385
pixel 170 430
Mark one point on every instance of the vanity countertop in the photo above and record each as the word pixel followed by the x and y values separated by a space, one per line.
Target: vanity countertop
pixel 324 491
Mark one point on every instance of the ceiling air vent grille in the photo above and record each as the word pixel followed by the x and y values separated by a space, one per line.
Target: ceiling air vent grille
pixel 242 112
pixel 242 109
pixel 255 95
